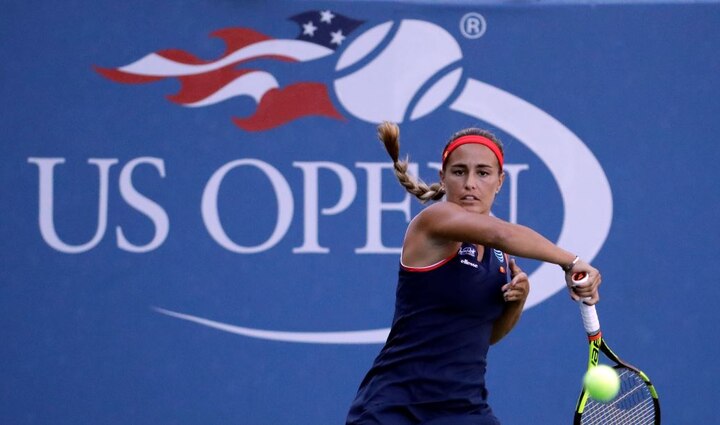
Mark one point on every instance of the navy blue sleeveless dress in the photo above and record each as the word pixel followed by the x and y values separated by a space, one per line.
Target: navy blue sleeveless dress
pixel 432 367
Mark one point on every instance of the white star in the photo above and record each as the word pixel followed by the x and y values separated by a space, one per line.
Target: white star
pixel 337 37
pixel 326 16
pixel 309 29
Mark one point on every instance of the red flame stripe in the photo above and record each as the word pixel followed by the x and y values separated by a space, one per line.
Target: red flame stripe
pixel 280 106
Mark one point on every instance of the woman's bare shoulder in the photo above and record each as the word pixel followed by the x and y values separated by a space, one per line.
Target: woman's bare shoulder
pixel 445 222
pixel 421 247
pixel 425 224
pixel 439 215
pixel 439 210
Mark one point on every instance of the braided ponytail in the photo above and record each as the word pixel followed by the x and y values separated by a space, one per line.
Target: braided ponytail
pixel 389 134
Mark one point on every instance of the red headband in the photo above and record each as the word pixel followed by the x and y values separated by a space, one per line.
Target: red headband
pixel 480 140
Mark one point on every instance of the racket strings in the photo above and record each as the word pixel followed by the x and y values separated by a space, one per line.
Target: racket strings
pixel 632 406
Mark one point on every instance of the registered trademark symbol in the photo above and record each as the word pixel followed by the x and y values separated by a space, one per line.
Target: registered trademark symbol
pixel 473 25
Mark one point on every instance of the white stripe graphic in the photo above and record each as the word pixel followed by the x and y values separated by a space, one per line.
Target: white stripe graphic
pixel 254 84
pixel 154 65
pixel 372 336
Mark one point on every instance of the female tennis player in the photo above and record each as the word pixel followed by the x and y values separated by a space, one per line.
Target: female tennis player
pixel 457 293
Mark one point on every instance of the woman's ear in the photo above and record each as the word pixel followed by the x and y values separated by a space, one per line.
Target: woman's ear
pixel 502 179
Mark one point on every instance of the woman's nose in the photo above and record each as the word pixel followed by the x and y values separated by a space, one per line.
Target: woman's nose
pixel 470 182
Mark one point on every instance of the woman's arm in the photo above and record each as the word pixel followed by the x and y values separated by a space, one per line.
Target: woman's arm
pixel 515 293
pixel 446 221
pixel 449 221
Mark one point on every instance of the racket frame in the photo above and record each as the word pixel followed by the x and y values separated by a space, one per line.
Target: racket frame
pixel 597 344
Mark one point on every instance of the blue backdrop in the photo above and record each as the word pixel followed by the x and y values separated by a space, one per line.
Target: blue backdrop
pixel 199 226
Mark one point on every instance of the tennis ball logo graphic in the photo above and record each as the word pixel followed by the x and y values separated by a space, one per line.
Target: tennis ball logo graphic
pixel 391 76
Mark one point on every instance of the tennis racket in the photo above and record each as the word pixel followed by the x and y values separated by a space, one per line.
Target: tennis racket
pixel 637 401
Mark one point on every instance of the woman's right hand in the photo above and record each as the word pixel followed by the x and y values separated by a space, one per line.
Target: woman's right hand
pixel 587 290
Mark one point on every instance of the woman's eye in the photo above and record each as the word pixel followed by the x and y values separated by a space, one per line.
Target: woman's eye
pixel 458 172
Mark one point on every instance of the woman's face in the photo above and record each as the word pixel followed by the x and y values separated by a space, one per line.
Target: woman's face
pixel 472 177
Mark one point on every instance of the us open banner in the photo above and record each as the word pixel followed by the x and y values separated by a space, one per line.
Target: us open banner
pixel 200 227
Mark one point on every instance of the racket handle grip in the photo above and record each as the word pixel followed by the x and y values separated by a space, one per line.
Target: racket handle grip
pixel 591 323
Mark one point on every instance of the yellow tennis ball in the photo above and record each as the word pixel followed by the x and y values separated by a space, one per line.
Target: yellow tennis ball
pixel 602 383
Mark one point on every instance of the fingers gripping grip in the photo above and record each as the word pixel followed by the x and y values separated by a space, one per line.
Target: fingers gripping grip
pixel 588 312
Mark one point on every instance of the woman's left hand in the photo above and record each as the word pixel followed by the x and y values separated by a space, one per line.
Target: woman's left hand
pixel 519 287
